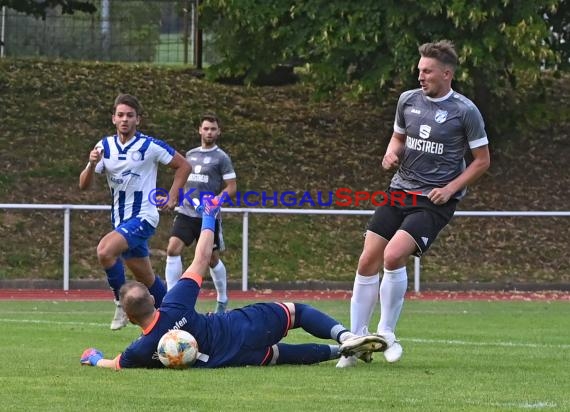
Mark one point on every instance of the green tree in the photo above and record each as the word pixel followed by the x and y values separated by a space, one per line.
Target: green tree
pixel 559 38
pixel 250 37
pixel 370 45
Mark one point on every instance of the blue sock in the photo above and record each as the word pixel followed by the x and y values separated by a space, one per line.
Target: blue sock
pixel 303 354
pixel 116 277
pixel 209 222
pixel 158 290
pixel 315 322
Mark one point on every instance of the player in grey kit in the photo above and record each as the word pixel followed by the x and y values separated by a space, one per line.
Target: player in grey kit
pixel 212 173
pixel 434 128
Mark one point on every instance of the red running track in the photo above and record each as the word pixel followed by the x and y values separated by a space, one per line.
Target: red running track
pixel 287 295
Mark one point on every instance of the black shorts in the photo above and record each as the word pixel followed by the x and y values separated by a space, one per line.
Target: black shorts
pixel 416 215
pixel 188 229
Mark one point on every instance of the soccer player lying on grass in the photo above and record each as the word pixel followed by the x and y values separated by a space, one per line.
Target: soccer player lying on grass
pixel 247 336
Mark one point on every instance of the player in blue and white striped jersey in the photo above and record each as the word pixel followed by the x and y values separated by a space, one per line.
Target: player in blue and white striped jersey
pixel 129 159
pixel 434 127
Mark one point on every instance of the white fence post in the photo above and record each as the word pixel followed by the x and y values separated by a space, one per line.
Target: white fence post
pixel 3 32
pixel 66 239
pixel 245 251
pixel 417 263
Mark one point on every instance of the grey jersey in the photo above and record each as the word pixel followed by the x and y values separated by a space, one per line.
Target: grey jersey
pixel 210 167
pixel 438 134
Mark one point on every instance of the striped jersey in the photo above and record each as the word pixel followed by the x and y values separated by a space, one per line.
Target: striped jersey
pixel 131 169
pixel 210 167
pixel 438 131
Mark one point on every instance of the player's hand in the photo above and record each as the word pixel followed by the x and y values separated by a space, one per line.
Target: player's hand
pixel 211 206
pixel 439 196
pixel 95 156
pixel 166 203
pixel 172 203
pixel 161 202
pixel 390 161
pixel 91 356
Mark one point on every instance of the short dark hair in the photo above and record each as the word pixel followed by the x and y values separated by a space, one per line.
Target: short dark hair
pixel 130 101
pixel 443 51
pixel 210 117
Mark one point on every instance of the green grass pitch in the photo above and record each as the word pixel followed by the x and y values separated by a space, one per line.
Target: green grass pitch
pixel 458 356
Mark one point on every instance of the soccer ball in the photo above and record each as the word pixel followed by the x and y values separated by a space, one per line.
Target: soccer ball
pixel 177 349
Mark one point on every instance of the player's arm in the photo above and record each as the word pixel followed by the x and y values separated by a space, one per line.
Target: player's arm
pixel 230 189
pixel 86 176
pixel 394 151
pixel 182 171
pixel 108 363
pixel 479 165
pixel 228 174
pixel 203 252
pixel 202 255
pixel 94 357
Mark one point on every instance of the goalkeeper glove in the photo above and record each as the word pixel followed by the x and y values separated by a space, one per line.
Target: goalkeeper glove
pixel 91 356
pixel 211 206
pixel 209 209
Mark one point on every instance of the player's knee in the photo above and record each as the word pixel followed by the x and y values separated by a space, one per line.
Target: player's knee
pixel 105 255
pixel 394 259
pixel 295 311
pixel 295 307
pixel 173 252
pixel 174 247
pixel 369 263
pixel 145 277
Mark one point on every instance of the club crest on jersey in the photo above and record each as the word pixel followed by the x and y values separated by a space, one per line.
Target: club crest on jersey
pixel 136 156
pixel 207 160
pixel 441 116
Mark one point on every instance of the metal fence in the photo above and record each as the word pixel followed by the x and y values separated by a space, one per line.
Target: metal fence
pixel 66 209
pixel 164 32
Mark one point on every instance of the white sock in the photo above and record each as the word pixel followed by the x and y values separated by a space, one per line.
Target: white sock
pixel 392 292
pixel 173 270
pixel 219 277
pixel 363 302
pixel 344 334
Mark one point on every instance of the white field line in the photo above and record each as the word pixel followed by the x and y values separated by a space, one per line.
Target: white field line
pixel 501 344
pixel 52 322
pixel 501 405
pixel 415 340
pixel 54 312
pixel 525 405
